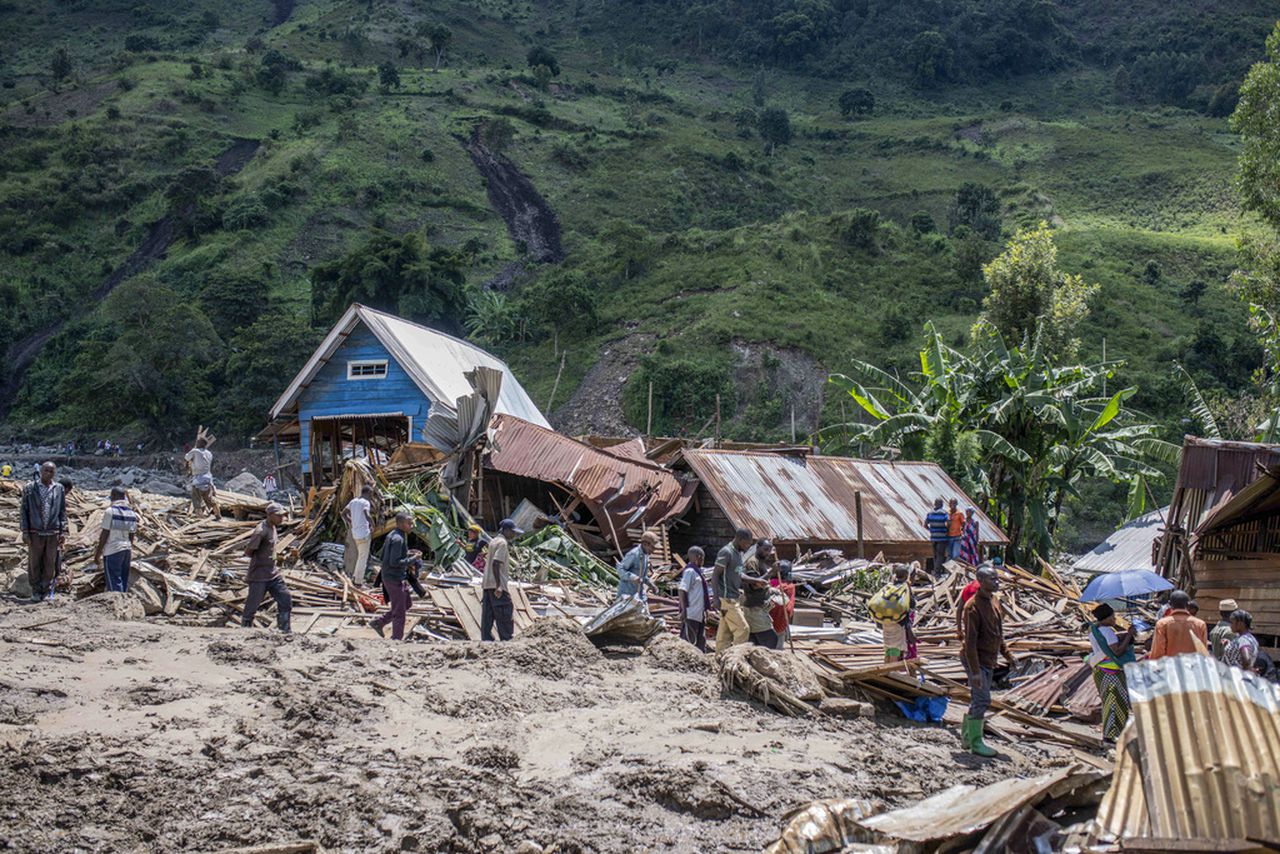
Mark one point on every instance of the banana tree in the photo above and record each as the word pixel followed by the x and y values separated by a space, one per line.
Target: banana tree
pixel 1031 431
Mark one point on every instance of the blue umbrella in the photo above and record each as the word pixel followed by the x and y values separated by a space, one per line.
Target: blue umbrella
pixel 1124 585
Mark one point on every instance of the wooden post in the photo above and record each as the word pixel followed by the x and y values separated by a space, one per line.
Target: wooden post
pixel 648 426
pixel 793 425
pixel 556 385
pixel 857 512
pixel 717 419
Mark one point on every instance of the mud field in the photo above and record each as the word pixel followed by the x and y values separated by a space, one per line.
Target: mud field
pixel 123 735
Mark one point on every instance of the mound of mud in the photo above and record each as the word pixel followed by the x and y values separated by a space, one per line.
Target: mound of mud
pixel 680 790
pixel 112 606
pixel 671 653
pixel 554 648
pixel 250 649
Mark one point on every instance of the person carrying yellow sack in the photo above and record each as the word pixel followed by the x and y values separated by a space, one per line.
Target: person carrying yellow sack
pixel 892 607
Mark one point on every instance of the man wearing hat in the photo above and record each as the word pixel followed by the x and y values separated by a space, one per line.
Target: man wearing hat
pixel 264 576
pixel 634 569
pixel 1221 634
pixel 495 606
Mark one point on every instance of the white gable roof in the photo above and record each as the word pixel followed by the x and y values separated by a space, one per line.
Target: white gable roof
pixel 437 363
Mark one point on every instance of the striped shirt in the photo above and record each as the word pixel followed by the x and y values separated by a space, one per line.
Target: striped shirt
pixel 938 522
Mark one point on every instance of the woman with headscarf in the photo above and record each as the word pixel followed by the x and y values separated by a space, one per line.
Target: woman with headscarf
pixel 1111 652
pixel 970 552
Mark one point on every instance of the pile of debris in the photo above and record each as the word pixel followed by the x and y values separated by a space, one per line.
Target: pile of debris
pixel 1197 769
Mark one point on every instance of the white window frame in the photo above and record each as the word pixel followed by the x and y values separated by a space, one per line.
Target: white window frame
pixel 366 363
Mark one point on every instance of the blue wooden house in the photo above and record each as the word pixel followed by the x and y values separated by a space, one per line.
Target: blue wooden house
pixel 370 385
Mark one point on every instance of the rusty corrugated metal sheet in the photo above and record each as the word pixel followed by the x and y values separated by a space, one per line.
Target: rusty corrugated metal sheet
pixel 1130 547
pixel 620 493
pixel 1222 467
pixel 963 810
pixel 811 498
pixel 1200 758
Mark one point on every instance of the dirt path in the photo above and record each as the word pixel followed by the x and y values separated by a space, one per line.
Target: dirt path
pixel 121 736
pixel 529 218
pixel 153 246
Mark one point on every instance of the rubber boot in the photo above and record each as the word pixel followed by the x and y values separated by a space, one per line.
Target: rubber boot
pixel 976 744
pixel 966 740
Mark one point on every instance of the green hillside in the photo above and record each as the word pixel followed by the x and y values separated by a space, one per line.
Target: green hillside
pixel 697 255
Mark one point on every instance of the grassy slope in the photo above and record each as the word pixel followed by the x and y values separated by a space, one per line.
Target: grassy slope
pixel 740 253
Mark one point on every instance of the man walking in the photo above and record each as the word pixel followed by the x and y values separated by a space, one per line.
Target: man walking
pixel 634 569
pixel 397 559
pixel 1177 631
pixel 114 553
pixel 938 522
pixel 264 576
pixel 983 642
pixel 200 461
pixel 726 578
pixel 695 598
pixel 1222 633
pixel 495 606
pixel 43 518
pixel 358 515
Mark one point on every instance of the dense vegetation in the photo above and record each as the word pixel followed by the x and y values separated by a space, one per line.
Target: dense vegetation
pixel 810 180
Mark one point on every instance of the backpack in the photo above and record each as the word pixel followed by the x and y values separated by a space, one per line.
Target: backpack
pixel 891 603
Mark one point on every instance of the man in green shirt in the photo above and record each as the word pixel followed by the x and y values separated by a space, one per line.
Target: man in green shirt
pixel 1221 634
pixel 726 579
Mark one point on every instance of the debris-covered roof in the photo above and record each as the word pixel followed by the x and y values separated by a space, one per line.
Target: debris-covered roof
pixel 620 493
pixel 1130 547
pixel 437 362
pixel 811 498
pixel 1221 467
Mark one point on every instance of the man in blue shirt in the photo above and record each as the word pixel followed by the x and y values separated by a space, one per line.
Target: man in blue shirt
pixel 634 569
pixel 938 522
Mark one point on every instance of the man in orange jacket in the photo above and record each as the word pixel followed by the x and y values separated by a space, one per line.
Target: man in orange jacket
pixel 1176 632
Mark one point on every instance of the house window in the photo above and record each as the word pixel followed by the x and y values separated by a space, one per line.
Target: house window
pixel 370 369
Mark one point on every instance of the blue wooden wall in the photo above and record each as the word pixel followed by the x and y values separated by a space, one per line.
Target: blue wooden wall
pixel 331 393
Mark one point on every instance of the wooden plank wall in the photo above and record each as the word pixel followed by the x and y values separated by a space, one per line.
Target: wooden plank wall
pixel 331 393
pixel 1252 580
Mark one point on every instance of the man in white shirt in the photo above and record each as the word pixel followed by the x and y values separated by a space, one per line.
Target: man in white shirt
pixel 115 543
pixel 695 595
pixel 200 461
pixel 358 514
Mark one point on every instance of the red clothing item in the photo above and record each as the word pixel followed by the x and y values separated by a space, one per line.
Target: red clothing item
pixel 969 589
pixel 781 614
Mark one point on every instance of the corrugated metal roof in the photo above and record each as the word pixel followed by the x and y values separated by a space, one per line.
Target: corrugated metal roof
pixel 1200 758
pixel 437 362
pixel 620 493
pixel 1130 547
pixel 811 498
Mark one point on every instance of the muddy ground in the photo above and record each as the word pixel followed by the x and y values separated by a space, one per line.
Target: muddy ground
pixel 125 735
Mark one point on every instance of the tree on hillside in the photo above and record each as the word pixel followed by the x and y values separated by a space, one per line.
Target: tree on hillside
pixel 157 367
pixel 1257 282
pixel 1122 85
pixel 629 246
pixel 190 185
pixel 977 208
pixel 396 273
pixel 1030 294
pixel 278 336
pixel 60 66
pixel 439 37
pixel 1016 427
pixel 857 102
pixel 388 77
pixel 775 127
pixel 929 59
pixel 539 55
